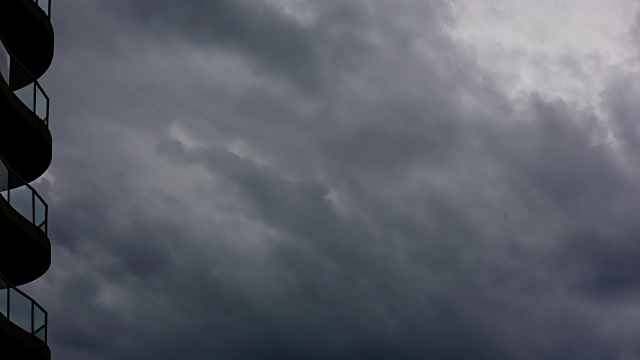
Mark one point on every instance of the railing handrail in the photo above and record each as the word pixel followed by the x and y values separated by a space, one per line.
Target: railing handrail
pixel 28 73
pixel 34 191
pixel 48 12
pixel 34 330
pixel 13 57
pixel 22 293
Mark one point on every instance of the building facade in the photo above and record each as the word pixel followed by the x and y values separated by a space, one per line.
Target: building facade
pixel 26 52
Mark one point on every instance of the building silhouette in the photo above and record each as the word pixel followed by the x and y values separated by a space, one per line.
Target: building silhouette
pixel 26 52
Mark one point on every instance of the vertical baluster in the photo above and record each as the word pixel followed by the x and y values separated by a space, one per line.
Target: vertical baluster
pixel 35 96
pixel 32 318
pixel 48 104
pixel 8 186
pixel 9 302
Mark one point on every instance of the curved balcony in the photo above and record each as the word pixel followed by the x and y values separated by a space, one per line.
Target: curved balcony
pixel 25 140
pixel 26 27
pixel 23 324
pixel 25 250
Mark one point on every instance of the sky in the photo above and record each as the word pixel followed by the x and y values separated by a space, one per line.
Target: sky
pixel 343 179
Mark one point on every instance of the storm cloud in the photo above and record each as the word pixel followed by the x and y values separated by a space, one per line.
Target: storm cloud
pixel 328 180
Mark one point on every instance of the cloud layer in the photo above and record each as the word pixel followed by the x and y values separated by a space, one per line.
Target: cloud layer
pixel 328 180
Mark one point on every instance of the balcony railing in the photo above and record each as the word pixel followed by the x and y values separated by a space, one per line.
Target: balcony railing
pixel 23 198
pixel 22 310
pixel 45 5
pixel 23 84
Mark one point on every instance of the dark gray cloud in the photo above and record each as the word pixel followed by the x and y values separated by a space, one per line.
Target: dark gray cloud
pixel 273 42
pixel 231 181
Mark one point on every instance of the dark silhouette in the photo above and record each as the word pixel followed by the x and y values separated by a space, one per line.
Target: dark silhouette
pixel 26 52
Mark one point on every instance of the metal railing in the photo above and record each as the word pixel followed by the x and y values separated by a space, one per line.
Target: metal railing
pixel 24 85
pixel 22 310
pixel 45 5
pixel 23 198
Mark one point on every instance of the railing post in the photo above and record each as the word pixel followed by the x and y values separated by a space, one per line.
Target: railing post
pixel 8 289
pixel 32 318
pixel 35 95
pixel 46 121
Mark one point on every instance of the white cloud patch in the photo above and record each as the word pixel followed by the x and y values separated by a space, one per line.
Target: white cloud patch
pixel 561 48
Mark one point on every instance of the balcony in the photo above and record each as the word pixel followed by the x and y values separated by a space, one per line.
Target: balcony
pixel 23 324
pixel 26 28
pixel 45 5
pixel 25 140
pixel 25 250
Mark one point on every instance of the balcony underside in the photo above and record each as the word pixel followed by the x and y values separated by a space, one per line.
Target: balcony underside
pixel 29 34
pixel 14 340
pixel 25 140
pixel 25 250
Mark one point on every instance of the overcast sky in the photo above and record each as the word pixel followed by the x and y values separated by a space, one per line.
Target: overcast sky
pixel 344 179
